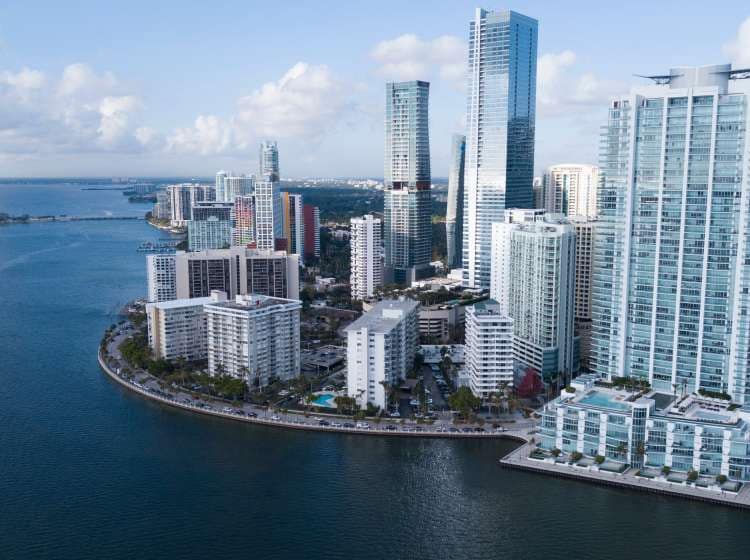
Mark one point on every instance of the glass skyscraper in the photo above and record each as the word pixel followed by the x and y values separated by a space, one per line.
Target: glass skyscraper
pixel 500 121
pixel 454 217
pixel 407 204
pixel 671 285
pixel 268 162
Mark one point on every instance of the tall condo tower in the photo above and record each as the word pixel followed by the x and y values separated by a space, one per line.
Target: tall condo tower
pixel 500 120
pixel 407 205
pixel 366 260
pixel 269 161
pixel 671 272
pixel 454 217
pixel 570 189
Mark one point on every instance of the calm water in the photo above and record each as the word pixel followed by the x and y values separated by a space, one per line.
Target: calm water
pixel 89 471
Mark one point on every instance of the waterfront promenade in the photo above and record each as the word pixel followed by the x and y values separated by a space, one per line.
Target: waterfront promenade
pixel 519 459
pixel 243 412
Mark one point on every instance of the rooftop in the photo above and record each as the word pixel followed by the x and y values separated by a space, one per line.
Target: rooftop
pixel 384 315
pixel 251 302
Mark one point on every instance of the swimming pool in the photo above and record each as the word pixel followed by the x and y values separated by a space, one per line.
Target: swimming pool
pixel 598 399
pixel 324 400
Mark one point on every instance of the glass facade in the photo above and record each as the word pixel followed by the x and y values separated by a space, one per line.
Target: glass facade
pixel 670 285
pixel 500 120
pixel 454 217
pixel 407 204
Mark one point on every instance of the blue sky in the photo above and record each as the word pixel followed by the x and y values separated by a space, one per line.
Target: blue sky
pixel 186 88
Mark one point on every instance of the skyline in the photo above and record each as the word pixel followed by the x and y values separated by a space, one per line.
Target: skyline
pixel 99 102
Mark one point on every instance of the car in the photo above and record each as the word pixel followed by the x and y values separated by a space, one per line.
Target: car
pixel 227 409
pixel 390 427
pixel 419 429
pixel 478 429
pixel 275 417
pixel 414 402
pixel 441 429
pixel 453 430
pixel 252 414
pixel 348 425
pixel 501 429
pixel 363 425
pixel 466 430
pixel 335 424
pixel 396 414
pixel 323 423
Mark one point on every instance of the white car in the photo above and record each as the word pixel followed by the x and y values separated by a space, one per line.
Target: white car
pixel 275 417
pixel 363 425
pixel 396 414
pixel 414 402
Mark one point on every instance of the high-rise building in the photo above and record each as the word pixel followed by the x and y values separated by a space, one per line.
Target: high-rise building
pixel 293 223
pixel 454 216
pixel 210 226
pixel 269 162
pixel 177 328
pixel 366 256
pixel 535 265
pixel 183 197
pixel 407 198
pixel 500 124
pixel 163 207
pixel 489 348
pixel 538 191
pixel 244 221
pixel 312 231
pixel 268 214
pixel 237 270
pixel 380 349
pixel 162 282
pixel 570 189
pixel 584 228
pixel 254 338
pixel 221 177
pixel 671 283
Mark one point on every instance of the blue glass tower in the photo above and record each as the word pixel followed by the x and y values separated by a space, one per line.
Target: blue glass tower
pixel 454 216
pixel 500 121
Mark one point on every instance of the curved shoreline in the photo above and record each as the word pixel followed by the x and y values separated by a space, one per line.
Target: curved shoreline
pixel 373 431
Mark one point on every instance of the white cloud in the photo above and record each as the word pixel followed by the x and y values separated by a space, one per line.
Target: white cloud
pixel 739 48
pixel 561 89
pixel 410 58
pixel 304 104
pixel 82 111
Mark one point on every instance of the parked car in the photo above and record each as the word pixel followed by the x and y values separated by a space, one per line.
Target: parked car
pixel 324 423
pixel 363 425
pixel 275 417
pixel 252 414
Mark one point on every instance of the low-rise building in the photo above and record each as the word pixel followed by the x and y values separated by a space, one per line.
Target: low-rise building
pixel 381 345
pixel 177 328
pixel 646 428
pixel 254 338
pixel 437 321
pixel 489 348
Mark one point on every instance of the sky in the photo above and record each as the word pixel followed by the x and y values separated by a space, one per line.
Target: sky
pixel 167 88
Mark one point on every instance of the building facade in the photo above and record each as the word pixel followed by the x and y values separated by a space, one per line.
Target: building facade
pixel 312 231
pixel 183 197
pixel 268 215
pixel 243 231
pixel 500 126
pixel 366 257
pixel 293 224
pixel 254 338
pixel 407 199
pixel 671 286
pixel 380 348
pixel 454 217
pixel 648 429
pixel 571 189
pixel 177 328
pixel 210 226
pixel 268 162
pixel 237 271
pixel 584 228
pixel 162 281
pixel 489 348
pixel 535 264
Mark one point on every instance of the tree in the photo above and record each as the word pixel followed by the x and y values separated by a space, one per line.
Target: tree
pixel 721 478
pixel 692 475
pixel 665 470
pixel 599 459
pixel 556 452
pixel 464 401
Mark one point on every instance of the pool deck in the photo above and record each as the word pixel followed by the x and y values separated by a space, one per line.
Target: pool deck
pixel 518 459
